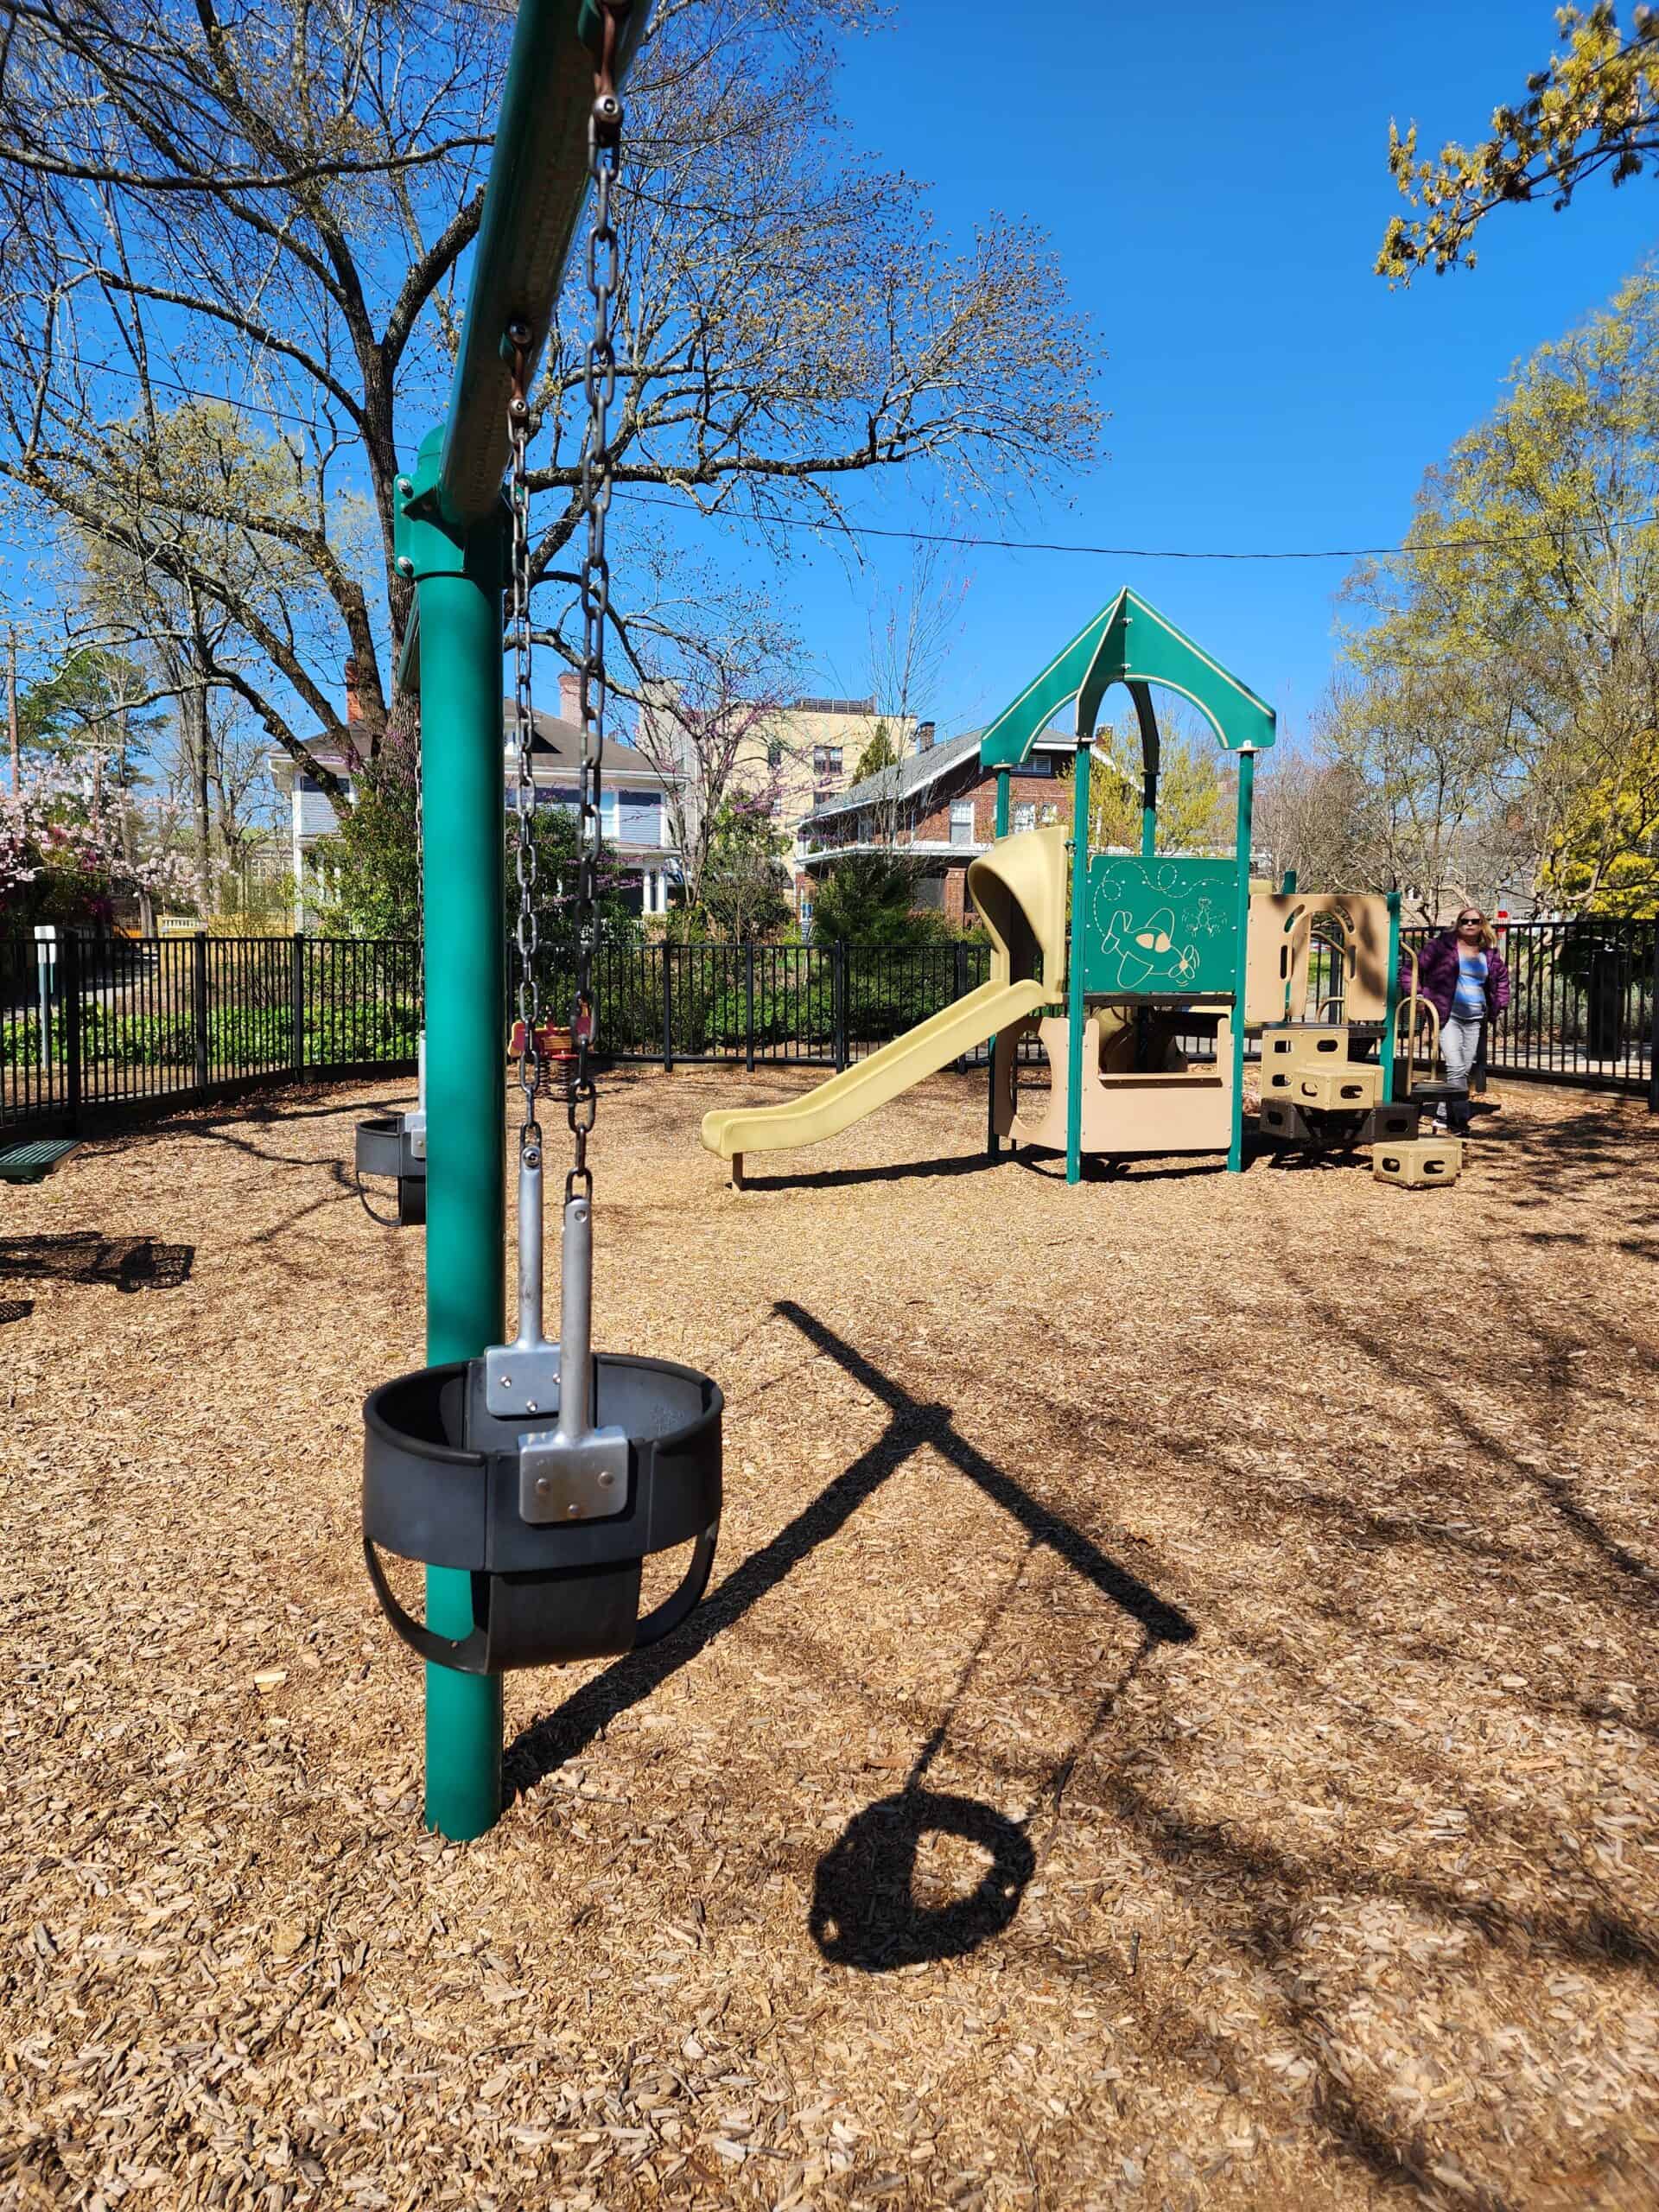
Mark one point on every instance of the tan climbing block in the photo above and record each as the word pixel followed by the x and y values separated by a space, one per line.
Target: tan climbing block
pixel 1305 1045
pixel 1348 1087
pixel 1419 1165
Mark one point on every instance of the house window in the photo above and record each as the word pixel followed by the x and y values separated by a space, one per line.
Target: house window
pixel 823 797
pixel 1051 813
pixel 775 753
pixel 1024 815
pixel 928 895
pixel 962 822
pixel 826 759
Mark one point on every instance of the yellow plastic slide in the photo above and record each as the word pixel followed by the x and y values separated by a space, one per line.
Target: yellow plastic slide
pixel 1019 887
pixel 860 1089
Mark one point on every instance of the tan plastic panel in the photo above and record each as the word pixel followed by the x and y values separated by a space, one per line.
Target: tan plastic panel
pixel 1175 1109
pixel 1276 954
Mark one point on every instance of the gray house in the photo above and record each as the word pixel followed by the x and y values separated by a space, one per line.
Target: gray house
pixel 634 814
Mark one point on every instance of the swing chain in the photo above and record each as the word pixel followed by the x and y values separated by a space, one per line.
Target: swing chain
pixel 525 935
pixel 598 385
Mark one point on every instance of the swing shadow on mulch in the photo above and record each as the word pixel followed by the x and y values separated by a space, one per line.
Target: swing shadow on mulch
pixel 16 1309
pixel 129 1263
pixel 865 1913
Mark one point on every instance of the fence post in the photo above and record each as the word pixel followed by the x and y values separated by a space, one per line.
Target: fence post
pixel 69 992
pixel 748 1003
pixel 959 989
pixel 1653 1026
pixel 668 1009
pixel 296 1004
pixel 838 1000
pixel 198 1006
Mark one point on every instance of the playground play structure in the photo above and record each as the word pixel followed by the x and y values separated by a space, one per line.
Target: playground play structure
pixel 1157 946
pixel 532 1479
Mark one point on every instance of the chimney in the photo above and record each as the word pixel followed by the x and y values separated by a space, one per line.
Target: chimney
pixel 925 736
pixel 570 696
pixel 353 702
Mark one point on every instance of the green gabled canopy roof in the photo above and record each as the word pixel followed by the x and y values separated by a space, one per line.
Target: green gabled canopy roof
pixel 1127 642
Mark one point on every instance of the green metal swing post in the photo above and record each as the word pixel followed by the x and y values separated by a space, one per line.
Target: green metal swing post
pixel 1241 856
pixel 451 541
pixel 992 1142
pixel 1074 960
pixel 1387 1050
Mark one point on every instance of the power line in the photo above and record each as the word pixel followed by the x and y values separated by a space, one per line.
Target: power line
pixel 172 383
pixel 1162 552
pixel 968 540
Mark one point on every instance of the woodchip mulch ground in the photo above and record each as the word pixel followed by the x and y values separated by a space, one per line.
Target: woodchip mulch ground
pixel 1174 1725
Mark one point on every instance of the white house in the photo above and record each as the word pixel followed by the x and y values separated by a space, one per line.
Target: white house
pixel 633 819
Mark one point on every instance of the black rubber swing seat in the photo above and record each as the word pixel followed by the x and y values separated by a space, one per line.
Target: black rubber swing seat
pixel 384 1146
pixel 441 1485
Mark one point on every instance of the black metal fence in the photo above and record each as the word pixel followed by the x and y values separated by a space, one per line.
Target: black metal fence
pixel 1582 1002
pixel 89 1025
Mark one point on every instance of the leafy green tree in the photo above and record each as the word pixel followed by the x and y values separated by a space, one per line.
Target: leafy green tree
pixel 1593 111
pixel 868 900
pixel 368 866
pixel 745 882
pixel 1195 794
pixel 1509 664
pixel 92 714
pixel 880 753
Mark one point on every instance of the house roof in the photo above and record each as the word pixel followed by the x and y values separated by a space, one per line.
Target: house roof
pixel 913 774
pixel 555 745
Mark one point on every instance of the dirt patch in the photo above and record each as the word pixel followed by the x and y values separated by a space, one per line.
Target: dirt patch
pixel 1173 1723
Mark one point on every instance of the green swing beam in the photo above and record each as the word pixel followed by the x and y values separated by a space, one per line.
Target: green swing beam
pixel 450 527
pixel 1128 642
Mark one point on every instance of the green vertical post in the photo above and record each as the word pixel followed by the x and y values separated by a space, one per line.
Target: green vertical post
pixel 1074 966
pixel 992 1142
pixel 458 574
pixel 1391 1004
pixel 1242 850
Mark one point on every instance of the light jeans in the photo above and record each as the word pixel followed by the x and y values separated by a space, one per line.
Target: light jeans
pixel 1460 1045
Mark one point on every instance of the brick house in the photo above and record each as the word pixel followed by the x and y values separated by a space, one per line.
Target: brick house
pixel 937 805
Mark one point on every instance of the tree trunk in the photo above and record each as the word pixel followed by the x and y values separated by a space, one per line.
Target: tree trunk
pixel 193 709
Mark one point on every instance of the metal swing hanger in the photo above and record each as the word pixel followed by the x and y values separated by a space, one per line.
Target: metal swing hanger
pixel 574 1471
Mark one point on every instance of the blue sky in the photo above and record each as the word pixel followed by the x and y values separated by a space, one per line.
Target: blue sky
pixel 1216 185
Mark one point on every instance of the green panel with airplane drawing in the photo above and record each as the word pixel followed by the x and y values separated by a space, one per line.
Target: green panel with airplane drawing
pixel 1160 928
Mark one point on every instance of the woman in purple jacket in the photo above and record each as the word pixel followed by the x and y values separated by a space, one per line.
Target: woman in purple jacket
pixel 1461 972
